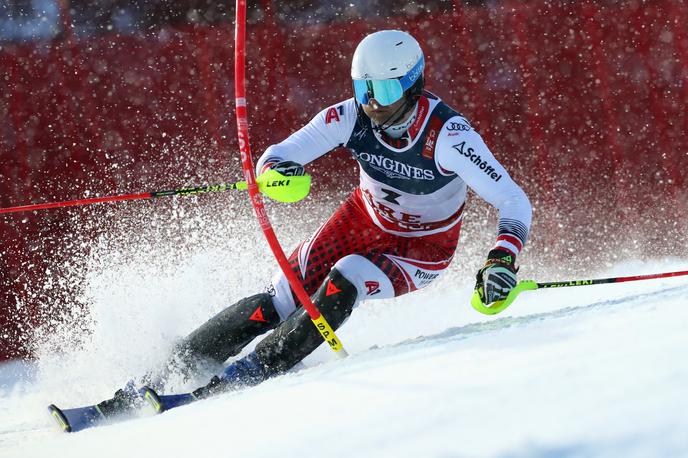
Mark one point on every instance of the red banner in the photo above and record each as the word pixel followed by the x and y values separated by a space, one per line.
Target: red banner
pixel 585 105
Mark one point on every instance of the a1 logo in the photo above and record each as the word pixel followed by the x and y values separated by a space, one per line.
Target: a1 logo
pixel 373 287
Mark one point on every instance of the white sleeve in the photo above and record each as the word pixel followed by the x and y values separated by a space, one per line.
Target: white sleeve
pixel 460 149
pixel 328 130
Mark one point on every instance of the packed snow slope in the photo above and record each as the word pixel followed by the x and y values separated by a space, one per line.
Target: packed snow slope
pixel 586 371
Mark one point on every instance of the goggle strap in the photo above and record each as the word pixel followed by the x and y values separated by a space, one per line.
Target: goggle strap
pixel 412 75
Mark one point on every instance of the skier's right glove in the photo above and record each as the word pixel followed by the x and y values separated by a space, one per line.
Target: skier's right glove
pixel 286 168
pixel 497 277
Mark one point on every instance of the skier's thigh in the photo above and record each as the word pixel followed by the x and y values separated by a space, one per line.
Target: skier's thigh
pixel 370 281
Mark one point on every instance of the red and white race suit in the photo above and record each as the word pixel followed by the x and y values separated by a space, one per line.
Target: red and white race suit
pixel 398 231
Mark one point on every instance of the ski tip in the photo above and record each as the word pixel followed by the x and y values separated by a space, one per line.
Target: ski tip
pixel 153 399
pixel 60 418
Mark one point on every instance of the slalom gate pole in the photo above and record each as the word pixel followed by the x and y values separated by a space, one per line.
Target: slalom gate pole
pixel 318 319
pixel 274 185
pixel 530 285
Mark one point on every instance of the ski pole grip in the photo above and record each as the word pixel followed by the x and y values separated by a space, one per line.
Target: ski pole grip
pixel 283 188
pixel 499 306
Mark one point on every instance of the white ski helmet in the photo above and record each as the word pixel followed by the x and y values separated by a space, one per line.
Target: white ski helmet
pixel 385 65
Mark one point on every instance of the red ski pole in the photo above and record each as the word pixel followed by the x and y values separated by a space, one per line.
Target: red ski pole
pixel 256 199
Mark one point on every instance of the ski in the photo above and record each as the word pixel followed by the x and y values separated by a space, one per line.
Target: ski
pixel 127 401
pixel 77 419
pixel 163 402
pixel 122 406
pixel 80 418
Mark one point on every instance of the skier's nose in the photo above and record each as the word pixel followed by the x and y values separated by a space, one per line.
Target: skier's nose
pixel 374 104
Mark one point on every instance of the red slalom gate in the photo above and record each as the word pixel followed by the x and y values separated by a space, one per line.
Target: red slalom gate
pixel 318 319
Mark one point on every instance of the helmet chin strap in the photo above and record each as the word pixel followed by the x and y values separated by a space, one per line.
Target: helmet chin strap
pixel 409 104
pixel 398 130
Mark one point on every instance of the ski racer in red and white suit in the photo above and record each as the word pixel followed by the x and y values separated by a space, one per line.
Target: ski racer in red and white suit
pixel 398 230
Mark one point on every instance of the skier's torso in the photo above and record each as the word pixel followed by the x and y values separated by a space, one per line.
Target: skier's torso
pixel 418 188
pixel 405 190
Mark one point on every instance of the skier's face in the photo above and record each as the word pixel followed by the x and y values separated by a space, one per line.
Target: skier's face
pixel 381 113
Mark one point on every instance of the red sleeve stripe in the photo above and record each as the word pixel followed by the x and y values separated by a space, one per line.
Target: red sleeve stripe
pixel 506 246
pixel 515 241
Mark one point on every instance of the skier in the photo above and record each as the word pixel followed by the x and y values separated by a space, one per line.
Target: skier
pixel 397 231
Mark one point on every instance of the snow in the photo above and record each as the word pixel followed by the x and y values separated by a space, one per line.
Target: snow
pixel 585 371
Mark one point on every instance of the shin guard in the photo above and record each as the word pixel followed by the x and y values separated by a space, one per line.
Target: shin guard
pixel 297 337
pixel 225 334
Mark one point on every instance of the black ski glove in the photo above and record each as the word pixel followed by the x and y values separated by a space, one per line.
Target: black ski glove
pixel 497 277
pixel 287 168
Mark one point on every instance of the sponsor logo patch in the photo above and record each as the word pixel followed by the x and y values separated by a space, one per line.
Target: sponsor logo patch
pixel 457 126
pixel 477 160
pixel 394 169
pixel 431 138
pixel 258 316
pixel 331 115
pixel 373 287
pixel 331 288
pixel 423 277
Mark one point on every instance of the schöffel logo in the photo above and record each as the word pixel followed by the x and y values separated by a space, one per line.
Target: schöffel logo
pixel 477 160
pixel 394 169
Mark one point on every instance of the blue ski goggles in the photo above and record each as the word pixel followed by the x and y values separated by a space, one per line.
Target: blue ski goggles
pixel 388 91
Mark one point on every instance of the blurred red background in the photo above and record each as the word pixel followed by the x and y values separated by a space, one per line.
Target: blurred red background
pixel 584 102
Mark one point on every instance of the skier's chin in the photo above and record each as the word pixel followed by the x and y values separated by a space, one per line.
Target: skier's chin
pixel 379 116
pixel 379 119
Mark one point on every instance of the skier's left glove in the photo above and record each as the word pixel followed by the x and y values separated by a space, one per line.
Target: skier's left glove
pixel 497 277
pixel 286 168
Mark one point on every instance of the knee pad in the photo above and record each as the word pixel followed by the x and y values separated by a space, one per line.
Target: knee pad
pixel 369 279
pixel 336 298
